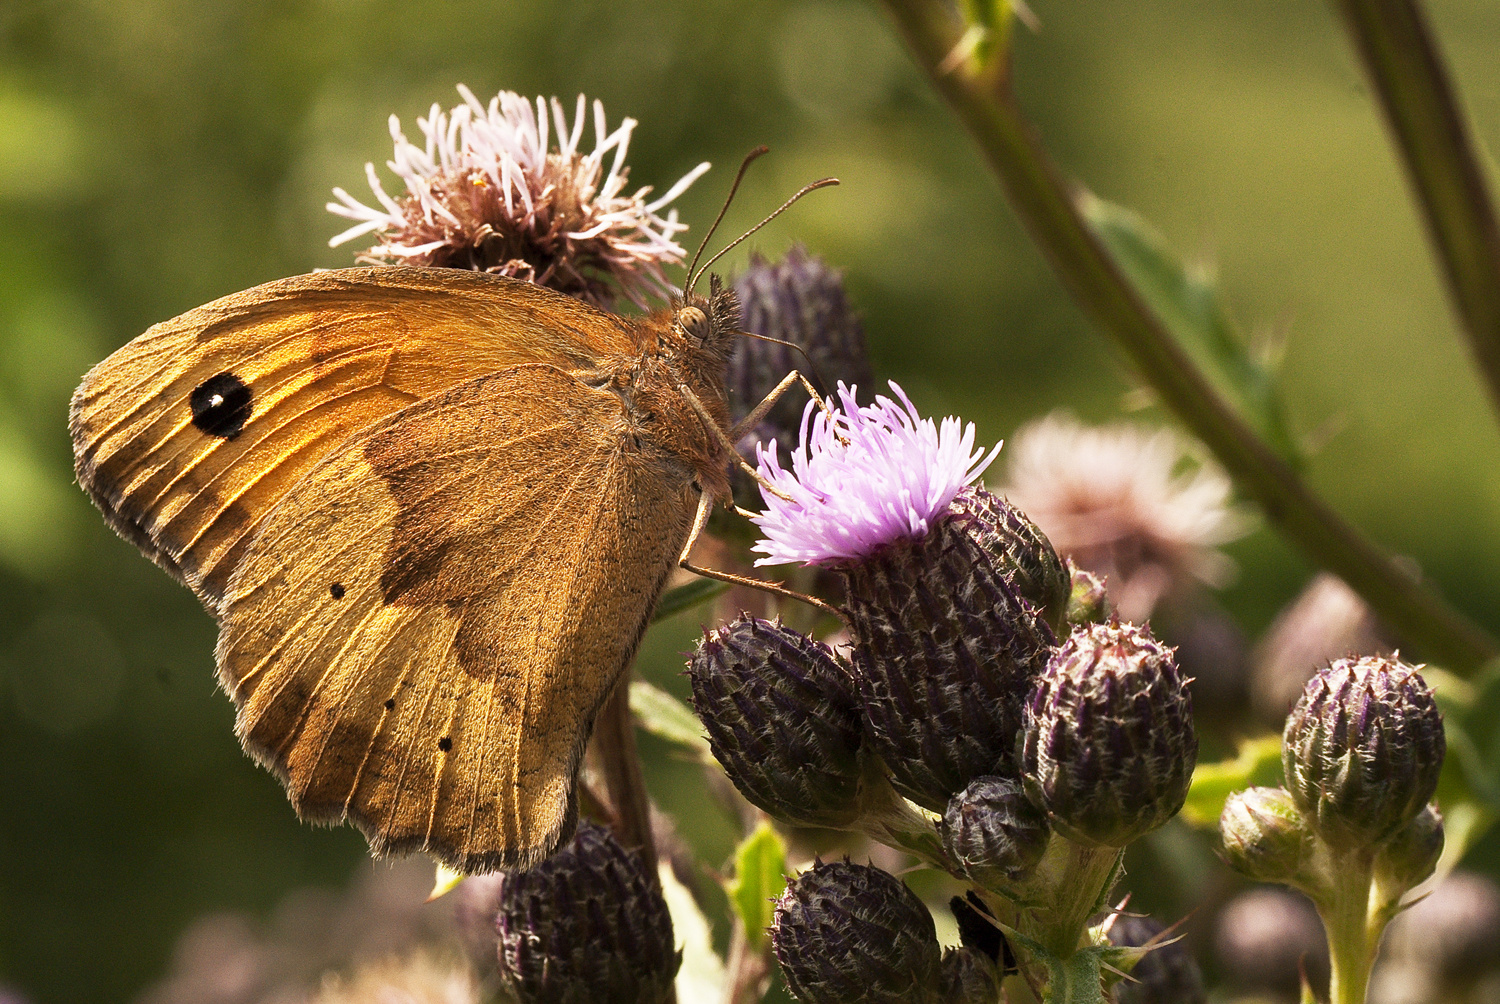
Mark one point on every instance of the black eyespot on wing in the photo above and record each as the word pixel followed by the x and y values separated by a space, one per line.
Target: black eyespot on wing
pixel 390 704
pixel 445 744
pixel 221 405
pixel 336 590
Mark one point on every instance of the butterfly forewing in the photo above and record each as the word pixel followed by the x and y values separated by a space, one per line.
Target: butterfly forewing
pixel 187 436
pixel 423 630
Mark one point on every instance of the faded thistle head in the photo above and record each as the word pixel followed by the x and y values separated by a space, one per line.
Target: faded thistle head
pixel 1136 508
pixel 509 188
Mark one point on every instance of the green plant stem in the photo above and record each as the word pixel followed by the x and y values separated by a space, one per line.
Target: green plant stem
pixel 1048 208
pixel 1353 928
pixel 1422 109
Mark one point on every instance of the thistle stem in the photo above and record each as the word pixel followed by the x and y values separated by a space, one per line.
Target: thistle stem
pixel 1353 928
pixel 619 763
pixel 1048 207
pixel 1421 107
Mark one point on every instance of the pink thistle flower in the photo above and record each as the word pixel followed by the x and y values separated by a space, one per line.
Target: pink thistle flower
pixel 485 192
pixel 862 477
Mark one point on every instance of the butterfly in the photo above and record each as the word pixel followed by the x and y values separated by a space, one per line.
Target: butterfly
pixel 432 511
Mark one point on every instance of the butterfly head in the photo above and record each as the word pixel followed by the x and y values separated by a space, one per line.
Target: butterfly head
pixel 707 325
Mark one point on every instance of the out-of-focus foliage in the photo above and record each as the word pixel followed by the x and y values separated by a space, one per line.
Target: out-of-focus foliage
pixel 156 154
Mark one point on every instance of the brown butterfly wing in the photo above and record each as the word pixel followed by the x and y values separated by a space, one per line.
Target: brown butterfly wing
pixel 423 631
pixel 281 374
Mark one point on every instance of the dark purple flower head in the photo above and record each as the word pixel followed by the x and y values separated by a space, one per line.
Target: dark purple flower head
pixel 970 977
pixel 993 832
pixel 800 300
pixel 846 933
pixel 863 478
pixel 587 925
pixel 1363 749
pixel 782 718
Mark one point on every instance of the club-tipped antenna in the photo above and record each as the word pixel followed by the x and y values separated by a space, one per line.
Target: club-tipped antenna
pixel 750 158
pixel 820 183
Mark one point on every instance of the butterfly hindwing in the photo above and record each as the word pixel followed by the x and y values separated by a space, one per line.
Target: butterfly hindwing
pixel 187 436
pixel 424 628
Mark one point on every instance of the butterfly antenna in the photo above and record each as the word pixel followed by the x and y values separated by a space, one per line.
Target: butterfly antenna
pixel 821 183
pixel 812 368
pixel 749 159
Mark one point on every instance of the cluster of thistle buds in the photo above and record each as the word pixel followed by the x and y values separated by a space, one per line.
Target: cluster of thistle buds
pixel 1355 827
pixel 987 716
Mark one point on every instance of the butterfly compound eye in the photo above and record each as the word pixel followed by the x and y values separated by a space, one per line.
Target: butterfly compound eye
pixel 694 322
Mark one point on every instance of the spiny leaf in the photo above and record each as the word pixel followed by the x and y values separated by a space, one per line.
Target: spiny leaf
pixel 1190 307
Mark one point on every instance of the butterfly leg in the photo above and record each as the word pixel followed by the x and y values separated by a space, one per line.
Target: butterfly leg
pixel 768 402
pixel 728 444
pixel 700 520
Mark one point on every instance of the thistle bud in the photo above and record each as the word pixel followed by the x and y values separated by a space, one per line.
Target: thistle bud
pixel 846 933
pixel 1088 603
pixel 1412 854
pixel 993 832
pixel 781 718
pixel 945 647
pixel 1023 553
pixel 1109 746
pixel 588 924
pixel 798 300
pixel 1362 750
pixel 969 977
pixel 1167 974
pixel 1263 834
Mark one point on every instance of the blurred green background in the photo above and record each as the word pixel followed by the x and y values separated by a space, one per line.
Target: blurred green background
pixel 156 154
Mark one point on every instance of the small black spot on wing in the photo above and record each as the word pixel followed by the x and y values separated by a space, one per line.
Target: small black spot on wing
pixel 336 590
pixel 221 405
pixel 390 704
pixel 445 744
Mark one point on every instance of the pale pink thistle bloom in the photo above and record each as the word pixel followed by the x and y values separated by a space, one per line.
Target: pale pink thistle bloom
pixel 485 192
pixel 862 477
pixel 1133 507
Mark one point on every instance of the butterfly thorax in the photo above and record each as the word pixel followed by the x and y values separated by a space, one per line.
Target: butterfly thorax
pixel 683 355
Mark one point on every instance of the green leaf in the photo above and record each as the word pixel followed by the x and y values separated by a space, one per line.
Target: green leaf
pixel 687 596
pixel 701 976
pixel 1189 305
pixel 665 717
pixel 759 879
pixel 1258 763
pixel 1078 979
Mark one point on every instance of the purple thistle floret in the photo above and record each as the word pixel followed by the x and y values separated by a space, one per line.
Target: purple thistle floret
pixel 862 477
